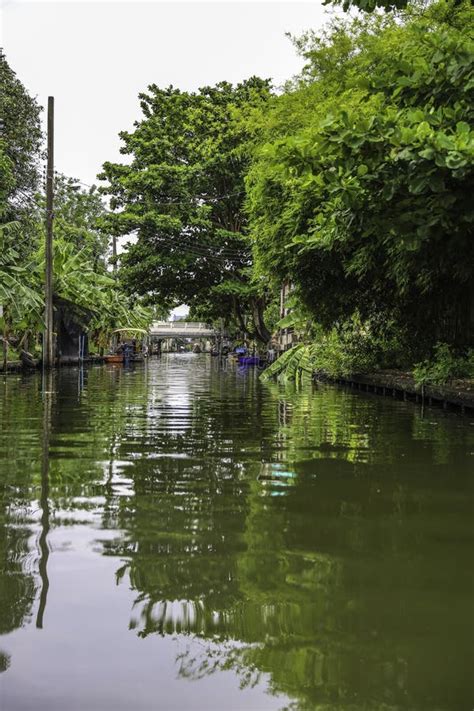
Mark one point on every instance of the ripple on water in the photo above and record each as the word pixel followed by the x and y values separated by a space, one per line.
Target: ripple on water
pixel 178 521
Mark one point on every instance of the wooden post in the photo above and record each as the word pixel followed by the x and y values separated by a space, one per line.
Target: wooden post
pixel 48 354
pixel 5 350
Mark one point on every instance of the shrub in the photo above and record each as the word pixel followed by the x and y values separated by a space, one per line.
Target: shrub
pixel 444 366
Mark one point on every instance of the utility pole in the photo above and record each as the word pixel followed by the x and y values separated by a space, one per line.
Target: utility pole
pixel 2 312
pixel 48 353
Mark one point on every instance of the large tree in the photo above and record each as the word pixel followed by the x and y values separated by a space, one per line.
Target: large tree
pixel 182 196
pixel 20 133
pixel 364 199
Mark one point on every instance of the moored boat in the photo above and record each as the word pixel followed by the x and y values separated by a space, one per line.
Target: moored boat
pixel 114 358
pixel 250 360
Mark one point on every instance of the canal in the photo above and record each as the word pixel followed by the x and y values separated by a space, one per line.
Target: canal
pixel 181 536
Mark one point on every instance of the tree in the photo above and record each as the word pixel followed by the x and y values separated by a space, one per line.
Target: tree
pixel 21 135
pixel 182 195
pixel 91 291
pixel 78 217
pixel 366 204
pixel 19 296
pixel 369 5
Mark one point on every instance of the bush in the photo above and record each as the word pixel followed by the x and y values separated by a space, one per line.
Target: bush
pixel 347 350
pixel 444 366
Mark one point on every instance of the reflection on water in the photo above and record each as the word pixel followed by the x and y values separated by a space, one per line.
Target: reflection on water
pixel 278 548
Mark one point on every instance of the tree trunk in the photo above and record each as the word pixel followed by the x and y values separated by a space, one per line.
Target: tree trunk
pixel 239 316
pixel 258 307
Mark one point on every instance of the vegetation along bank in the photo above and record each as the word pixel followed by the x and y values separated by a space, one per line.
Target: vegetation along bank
pixel 349 191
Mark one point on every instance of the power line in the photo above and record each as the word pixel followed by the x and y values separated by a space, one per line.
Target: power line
pixel 222 258
pixel 203 246
pixel 200 249
pixel 195 251
pixel 201 243
pixel 226 254
pixel 151 205
pixel 178 203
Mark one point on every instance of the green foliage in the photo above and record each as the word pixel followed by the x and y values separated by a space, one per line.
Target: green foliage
pixel 20 139
pixel 21 127
pixel 74 276
pixel 287 366
pixel 78 216
pixel 19 294
pixel 351 348
pixel 92 290
pixel 7 180
pixel 79 269
pixel 182 196
pixel 444 366
pixel 369 5
pixel 364 198
pixel 386 5
pixel 80 244
pixel 298 317
pixel 354 184
pixel 271 314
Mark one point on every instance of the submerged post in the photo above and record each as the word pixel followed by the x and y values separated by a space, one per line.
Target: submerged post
pixel 48 354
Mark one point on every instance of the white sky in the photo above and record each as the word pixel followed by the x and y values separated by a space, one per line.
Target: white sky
pixel 95 57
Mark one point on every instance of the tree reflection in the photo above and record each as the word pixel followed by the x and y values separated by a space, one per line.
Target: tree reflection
pixel 17 581
pixel 309 567
pixel 291 535
pixel 4 661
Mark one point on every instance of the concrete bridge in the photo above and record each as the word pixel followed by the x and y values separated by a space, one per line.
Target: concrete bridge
pixel 182 329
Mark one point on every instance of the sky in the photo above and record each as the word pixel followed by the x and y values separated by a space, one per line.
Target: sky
pixel 95 58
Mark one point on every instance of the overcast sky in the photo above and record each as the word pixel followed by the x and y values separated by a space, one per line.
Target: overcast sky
pixel 95 57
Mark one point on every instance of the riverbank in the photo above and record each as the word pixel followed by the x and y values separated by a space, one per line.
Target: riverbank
pixel 458 394
pixel 15 366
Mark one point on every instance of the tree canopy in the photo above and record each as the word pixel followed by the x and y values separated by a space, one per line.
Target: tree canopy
pixel 353 183
pixel 364 199
pixel 182 195
pixel 20 146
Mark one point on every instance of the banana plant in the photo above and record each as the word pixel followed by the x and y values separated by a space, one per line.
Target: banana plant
pixel 75 278
pixel 292 365
pixel 20 294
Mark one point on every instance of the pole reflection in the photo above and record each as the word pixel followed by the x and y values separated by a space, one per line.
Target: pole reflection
pixel 48 385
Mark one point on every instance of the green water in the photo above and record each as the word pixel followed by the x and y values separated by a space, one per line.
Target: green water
pixel 178 536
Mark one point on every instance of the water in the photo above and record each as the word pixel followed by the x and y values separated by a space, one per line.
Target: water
pixel 176 536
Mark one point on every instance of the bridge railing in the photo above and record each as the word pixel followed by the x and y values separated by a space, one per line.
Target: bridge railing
pixel 180 326
pixel 182 329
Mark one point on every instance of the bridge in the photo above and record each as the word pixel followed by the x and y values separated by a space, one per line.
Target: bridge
pixel 182 329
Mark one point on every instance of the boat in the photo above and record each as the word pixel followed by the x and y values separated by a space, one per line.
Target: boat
pixel 250 360
pixel 113 358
